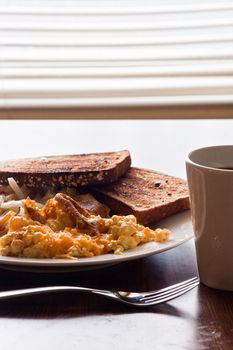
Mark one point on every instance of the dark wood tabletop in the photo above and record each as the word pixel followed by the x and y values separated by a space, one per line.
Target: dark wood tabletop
pixel 200 319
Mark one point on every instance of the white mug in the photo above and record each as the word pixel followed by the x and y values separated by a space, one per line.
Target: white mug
pixel 210 180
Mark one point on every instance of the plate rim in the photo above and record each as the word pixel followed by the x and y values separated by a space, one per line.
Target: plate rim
pixel 129 255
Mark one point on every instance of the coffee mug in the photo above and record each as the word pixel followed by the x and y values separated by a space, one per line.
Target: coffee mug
pixel 210 181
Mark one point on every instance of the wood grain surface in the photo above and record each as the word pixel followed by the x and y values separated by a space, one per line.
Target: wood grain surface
pixel 201 111
pixel 207 312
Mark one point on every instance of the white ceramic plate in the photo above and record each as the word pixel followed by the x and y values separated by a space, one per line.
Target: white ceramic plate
pixel 179 224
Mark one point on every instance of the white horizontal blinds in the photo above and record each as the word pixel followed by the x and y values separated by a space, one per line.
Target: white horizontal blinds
pixel 115 53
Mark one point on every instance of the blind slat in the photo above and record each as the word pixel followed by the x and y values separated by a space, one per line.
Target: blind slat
pixel 116 41
pixel 107 10
pixel 119 87
pixel 113 72
pixel 154 101
pixel 119 27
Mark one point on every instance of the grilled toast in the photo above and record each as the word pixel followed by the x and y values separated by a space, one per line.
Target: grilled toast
pixel 69 170
pixel 149 195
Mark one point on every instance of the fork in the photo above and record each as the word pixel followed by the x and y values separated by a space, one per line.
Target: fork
pixel 130 298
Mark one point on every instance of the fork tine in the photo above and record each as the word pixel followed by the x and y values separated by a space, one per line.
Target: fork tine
pixel 172 288
pixel 170 296
pixel 165 293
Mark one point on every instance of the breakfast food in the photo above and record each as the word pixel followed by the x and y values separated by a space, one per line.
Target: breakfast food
pixel 89 203
pixel 70 170
pixel 58 207
pixel 63 229
pixel 148 195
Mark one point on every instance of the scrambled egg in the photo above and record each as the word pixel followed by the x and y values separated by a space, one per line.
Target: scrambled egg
pixel 61 229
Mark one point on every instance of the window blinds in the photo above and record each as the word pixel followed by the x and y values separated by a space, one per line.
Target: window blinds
pixel 92 55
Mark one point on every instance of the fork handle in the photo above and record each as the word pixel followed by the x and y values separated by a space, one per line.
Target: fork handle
pixel 50 289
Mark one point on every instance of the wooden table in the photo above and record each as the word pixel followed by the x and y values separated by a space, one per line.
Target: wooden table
pixel 200 319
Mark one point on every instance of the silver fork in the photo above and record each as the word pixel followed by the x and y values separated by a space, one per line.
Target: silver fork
pixel 131 298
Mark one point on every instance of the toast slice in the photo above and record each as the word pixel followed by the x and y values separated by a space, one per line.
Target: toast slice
pixel 68 170
pixel 148 195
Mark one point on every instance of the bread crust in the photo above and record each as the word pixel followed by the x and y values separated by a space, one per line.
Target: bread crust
pixel 69 170
pixel 149 195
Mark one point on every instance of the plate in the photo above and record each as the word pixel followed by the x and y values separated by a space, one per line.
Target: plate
pixel 181 231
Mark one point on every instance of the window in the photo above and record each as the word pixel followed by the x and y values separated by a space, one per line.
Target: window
pixel 119 59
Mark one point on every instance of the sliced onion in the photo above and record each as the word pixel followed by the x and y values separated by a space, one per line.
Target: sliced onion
pixel 11 204
pixel 15 187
